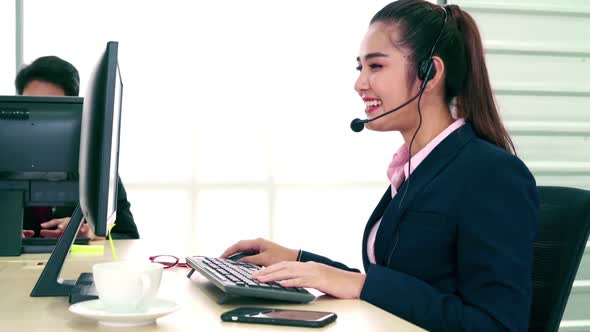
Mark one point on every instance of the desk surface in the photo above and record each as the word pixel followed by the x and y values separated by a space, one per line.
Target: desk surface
pixel 197 297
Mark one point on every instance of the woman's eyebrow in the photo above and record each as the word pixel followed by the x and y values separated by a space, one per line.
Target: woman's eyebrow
pixel 372 55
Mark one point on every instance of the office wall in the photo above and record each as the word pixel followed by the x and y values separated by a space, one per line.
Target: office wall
pixel 539 61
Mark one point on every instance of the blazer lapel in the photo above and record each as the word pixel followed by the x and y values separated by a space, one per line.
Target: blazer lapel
pixel 375 216
pixel 428 169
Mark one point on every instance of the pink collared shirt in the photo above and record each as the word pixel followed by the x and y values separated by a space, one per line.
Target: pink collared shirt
pixel 398 172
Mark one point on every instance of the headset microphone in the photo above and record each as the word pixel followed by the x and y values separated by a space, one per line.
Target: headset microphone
pixel 357 125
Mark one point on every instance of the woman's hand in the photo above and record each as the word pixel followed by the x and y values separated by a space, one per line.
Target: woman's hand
pixel 84 231
pixel 268 252
pixel 330 280
pixel 26 233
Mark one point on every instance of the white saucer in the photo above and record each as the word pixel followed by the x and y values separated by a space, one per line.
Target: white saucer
pixel 97 310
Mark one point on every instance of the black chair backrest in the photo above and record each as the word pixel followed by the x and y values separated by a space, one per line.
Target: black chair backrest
pixel 562 233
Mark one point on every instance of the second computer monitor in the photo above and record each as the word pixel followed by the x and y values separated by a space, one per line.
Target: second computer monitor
pixel 98 168
pixel 99 142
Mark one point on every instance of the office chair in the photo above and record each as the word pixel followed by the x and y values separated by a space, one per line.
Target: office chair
pixel 562 233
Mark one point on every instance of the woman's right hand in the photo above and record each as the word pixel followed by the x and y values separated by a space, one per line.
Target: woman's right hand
pixel 269 253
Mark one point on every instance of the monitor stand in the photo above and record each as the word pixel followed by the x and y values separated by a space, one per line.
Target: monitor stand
pixel 50 283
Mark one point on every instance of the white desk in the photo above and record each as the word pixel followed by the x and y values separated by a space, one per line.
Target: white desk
pixel 199 312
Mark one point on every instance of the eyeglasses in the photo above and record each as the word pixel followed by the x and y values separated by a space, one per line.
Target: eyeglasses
pixel 168 261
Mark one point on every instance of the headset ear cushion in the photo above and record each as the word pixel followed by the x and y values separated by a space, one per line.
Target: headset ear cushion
pixel 423 69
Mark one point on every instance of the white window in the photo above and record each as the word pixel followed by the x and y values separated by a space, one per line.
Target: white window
pixel 7 42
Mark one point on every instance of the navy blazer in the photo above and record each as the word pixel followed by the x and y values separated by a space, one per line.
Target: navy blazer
pixel 457 253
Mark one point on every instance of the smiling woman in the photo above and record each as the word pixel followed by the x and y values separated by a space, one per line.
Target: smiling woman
pixel 450 245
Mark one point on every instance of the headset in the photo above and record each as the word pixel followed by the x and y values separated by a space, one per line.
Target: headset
pixel 426 72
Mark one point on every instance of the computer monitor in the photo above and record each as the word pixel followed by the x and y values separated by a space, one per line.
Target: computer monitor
pixel 39 135
pixel 98 168
pixel 39 152
pixel 39 148
pixel 99 142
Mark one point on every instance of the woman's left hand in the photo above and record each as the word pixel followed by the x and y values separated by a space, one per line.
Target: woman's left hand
pixel 330 280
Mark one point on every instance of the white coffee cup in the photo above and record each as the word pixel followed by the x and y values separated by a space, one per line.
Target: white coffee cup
pixel 127 286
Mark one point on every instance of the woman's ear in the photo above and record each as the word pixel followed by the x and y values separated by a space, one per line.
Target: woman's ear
pixel 439 75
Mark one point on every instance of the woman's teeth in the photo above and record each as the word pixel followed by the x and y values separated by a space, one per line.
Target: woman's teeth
pixel 373 103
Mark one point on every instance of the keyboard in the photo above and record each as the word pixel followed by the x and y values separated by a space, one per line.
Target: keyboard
pixel 233 278
pixel 84 289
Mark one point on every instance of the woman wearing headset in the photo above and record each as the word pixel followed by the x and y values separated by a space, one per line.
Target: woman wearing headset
pixel 450 245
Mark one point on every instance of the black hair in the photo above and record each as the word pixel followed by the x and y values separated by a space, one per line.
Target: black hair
pixel 460 48
pixel 50 69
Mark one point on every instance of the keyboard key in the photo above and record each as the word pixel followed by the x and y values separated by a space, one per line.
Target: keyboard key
pixel 219 276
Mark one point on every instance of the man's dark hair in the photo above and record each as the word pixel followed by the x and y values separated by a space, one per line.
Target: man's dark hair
pixel 50 69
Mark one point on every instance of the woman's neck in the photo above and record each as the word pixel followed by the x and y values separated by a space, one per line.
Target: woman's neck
pixel 434 121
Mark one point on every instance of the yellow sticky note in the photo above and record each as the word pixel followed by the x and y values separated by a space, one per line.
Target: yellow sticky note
pixel 87 249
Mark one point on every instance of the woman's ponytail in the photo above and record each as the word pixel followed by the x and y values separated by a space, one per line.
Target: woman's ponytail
pixel 475 100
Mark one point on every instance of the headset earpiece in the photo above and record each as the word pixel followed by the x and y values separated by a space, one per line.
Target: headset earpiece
pixel 426 70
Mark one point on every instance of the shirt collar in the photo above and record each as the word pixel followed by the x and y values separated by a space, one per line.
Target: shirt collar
pixel 401 157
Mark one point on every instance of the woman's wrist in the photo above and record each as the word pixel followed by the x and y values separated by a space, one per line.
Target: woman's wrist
pixel 294 255
pixel 361 284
